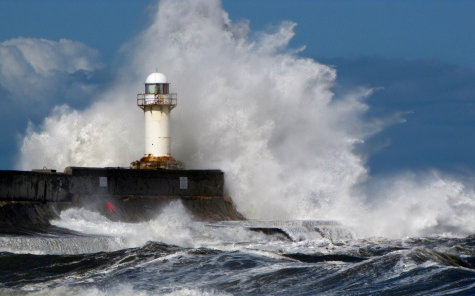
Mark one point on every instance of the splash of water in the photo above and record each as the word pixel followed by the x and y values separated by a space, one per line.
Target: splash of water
pixel 169 227
pixel 119 290
pixel 172 226
pixel 255 109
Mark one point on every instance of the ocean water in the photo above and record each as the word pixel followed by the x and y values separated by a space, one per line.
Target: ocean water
pixel 182 257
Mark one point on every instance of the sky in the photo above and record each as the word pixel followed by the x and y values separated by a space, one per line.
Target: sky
pixel 417 56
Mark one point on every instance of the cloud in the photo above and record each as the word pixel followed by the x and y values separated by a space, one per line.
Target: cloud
pixel 44 72
pixel 36 75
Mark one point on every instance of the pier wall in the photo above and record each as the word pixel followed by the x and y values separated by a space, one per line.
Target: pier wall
pixel 35 197
pixel 34 186
pixel 116 181
pixel 61 187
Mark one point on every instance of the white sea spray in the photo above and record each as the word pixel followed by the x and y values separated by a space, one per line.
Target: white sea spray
pixel 267 117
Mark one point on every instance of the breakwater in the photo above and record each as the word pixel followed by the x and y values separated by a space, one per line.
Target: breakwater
pixel 29 198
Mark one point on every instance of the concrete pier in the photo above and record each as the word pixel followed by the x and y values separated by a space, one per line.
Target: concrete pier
pixel 34 186
pixel 136 195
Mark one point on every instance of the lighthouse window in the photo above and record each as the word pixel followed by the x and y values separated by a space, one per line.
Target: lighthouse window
pixel 157 88
pixel 150 88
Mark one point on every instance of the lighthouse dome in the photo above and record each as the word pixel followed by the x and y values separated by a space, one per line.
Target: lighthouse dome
pixel 156 77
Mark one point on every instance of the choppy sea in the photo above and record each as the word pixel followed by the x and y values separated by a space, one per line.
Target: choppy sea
pixel 173 255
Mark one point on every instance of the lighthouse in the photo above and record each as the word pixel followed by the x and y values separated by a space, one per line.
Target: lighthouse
pixel 157 103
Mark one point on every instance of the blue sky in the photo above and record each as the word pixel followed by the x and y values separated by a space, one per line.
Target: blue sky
pixel 415 29
pixel 419 54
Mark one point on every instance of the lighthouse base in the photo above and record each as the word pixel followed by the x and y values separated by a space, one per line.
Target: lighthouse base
pixel 157 162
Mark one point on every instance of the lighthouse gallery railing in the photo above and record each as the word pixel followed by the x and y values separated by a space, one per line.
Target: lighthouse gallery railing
pixel 144 100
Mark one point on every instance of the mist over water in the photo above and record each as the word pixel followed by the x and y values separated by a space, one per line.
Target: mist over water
pixel 251 106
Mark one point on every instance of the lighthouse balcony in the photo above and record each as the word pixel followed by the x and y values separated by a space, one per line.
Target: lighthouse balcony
pixel 144 100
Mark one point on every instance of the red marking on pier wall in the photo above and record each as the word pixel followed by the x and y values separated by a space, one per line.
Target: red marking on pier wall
pixel 110 207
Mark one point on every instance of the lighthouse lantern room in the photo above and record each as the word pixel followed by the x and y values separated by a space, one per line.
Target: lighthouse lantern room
pixel 157 103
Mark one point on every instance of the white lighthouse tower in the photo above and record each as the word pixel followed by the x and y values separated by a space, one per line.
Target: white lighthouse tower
pixel 157 103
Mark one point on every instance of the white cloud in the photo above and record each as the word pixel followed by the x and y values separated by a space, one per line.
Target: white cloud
pixel 41 70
